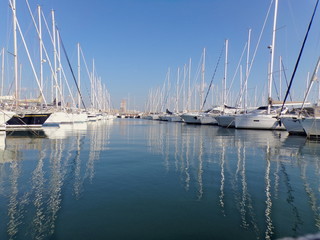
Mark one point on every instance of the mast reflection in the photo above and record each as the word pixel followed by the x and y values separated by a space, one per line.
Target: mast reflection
pixel 248 163
pixel 36 169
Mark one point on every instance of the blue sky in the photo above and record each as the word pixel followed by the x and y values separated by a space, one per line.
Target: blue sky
pixel 134 42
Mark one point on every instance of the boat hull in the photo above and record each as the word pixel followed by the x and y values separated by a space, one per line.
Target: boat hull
pixel 260 122
pixel 4 117
pixel 28 120
pixel 311 126
pixel 191 118
pixel 196 118
pixel 227 121
pixel 293 125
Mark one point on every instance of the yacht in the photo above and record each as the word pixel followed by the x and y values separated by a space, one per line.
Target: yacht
pixel 27 120
pixel 261 119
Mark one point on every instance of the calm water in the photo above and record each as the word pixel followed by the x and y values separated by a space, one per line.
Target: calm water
pixel 140 179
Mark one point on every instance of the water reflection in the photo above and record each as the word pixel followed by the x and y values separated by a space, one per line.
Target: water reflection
pixel 249 165
pixel 39 168
pixel 265 185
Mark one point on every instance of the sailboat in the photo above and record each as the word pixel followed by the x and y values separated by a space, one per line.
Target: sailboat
pixel 227 116
pixel 202 117
pixel 26 116
pixel 306 120
pixel 265 117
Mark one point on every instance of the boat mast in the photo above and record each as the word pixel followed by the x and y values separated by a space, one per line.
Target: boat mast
pixel 189 88
pixel 15 50
pixel 59 72
pixel 54 56
pixel 202 79
pixel 93 85
pixel 79 75
pixel 224 82
pixel 177 91
pixel 247 73
pixel 272 50
pixel 40 47
pixel 2 71
pixel 184 88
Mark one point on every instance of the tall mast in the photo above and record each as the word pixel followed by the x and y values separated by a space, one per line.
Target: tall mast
pixel 189 87
pixel 202 77
pixel 224 82
pixel 272 49
pixel 15 49
pixel 40 47
pixel 177 91
pixel 2 71
pixel 247 73
pixel 79 75
pixel 55 81
pixel 93 84
pixel 59 70
pixel 184 87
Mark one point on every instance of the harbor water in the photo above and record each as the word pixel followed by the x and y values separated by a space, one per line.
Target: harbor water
pixel 141 179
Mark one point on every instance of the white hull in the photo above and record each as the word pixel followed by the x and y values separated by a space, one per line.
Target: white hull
pixel 192 118
pixel 99 116
pixel 92 117
pixel 109 117
pixel 155 117
pixel 258 121
pixel 4 117
pixel 174 118
pixel 164 118
pixel 293 125
pixel 152 117
pixel 171 118
pixel 208 119
pixel 147 117
pixel 311 126
pixel 60 117
pixel 57 118
pixel 226 121
pixel 80 117
pixel 199 118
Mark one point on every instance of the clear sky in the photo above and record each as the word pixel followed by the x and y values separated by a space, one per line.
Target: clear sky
pixel 134 42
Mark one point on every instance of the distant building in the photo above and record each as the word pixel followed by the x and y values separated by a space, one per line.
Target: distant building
pixel 123 106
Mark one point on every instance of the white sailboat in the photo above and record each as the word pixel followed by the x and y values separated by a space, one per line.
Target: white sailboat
pixel 264 117
pixel 25 117
pixel 200 117
pixel 227 118
pixel 307 118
